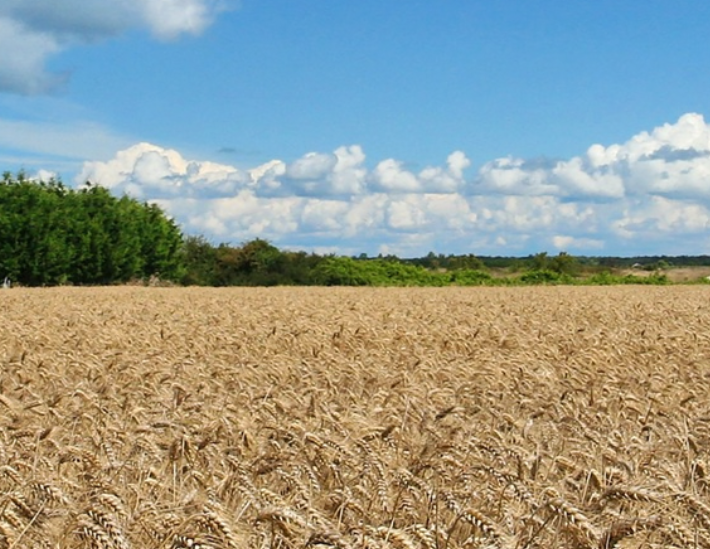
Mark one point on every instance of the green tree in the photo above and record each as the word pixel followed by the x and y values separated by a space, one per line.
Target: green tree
pixel 539 262
pixel 563 263
pixel 200 262
pixel 53 235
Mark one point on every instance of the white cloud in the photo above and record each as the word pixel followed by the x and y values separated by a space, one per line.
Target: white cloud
pixel 323 215
pixel 169 18
pixel 649 191
pixel 672 160
pixel 366 215
pixel 390 176
pixel 451 211
pixel 148 171
pixel 340 173
pixel 312 166
pixel 349 174
pixel 689 133
pixel 514 176
pixel 657 215
pixel 44 175
pixel 566 243
pixel 87 20
pixel 22 61
pixel 405 214
pixel 457 162
pixel 578 180
pixel 31 31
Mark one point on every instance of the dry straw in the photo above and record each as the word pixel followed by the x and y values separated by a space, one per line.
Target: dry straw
pixel 285 418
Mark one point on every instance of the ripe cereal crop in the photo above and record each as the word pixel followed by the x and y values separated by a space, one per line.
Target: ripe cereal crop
pixel 295 418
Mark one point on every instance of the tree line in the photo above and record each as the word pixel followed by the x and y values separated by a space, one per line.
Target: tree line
pixel 54 235
pixel 51 234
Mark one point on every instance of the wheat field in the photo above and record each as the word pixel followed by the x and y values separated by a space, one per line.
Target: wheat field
pixel 285 418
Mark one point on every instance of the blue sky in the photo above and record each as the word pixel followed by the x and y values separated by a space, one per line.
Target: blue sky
pixel 455 126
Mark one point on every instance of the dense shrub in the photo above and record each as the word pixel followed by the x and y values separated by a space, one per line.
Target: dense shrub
pixel 471 278
pixel 50 234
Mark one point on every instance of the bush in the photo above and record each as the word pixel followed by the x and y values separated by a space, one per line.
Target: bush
pixel 603 279
pixel 469 277
pixel 51 235
pixel 608 279
pixel 541 277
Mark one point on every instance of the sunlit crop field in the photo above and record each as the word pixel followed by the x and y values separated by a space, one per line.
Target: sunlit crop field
pixel 549 417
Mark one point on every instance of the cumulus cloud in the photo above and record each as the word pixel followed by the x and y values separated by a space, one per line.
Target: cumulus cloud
pixel 567 242
pixel 514 176
pixel 22 62
pixel 31 31
pixel 623 198
pixel 168 19
pixel 341 173
pixel 672 160
pixel 151 172
pixel 390 176
pixel 660 216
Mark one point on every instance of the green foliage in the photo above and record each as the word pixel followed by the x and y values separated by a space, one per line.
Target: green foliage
pixel 201 262
pixel 603 279
pixel 341 271
pixel 53 235
pixel 451 262
pixel 257 263
pixel 346 271
pixel 608 279
pixel 540 277
pixel 655 279
pixel 660 265
pixel 563 263
pixel 470 277
pixel 539 262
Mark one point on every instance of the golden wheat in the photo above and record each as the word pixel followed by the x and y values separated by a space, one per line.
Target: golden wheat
pixel 355 418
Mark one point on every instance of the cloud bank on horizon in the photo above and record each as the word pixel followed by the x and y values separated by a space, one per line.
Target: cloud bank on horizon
pixel 647 195
pixel 650 194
